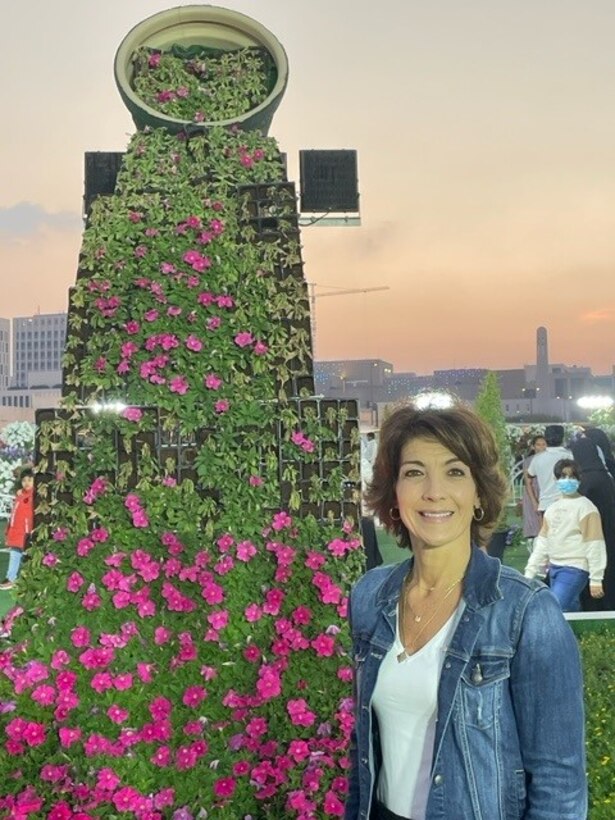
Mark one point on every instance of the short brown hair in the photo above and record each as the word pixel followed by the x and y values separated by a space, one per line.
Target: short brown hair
pixel 461 431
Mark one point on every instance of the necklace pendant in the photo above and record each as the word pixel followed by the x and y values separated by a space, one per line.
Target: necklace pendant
pixel 402 656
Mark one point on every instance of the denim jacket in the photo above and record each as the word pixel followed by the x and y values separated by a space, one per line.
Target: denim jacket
pixel 509 742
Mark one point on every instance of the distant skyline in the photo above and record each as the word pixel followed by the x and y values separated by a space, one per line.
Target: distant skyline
pixel 486 140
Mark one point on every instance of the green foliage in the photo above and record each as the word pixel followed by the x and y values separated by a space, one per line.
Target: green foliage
pixel 488 405
pixel 192 541
pixel 598 650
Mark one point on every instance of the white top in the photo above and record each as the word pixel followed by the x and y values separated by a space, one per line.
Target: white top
pixel 405 701
pixel 571 536
pixel 541 468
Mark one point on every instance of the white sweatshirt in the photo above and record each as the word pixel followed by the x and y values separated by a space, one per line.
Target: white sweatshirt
pixel 571 536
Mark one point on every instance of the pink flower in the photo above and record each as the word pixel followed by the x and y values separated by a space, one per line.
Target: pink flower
pixel 107 780
pixel 333 805
pixel 60 534
pixel 212 381
pixel 260 348
pixel 179 384
pixel 255 481
pixel 253 613
pixel 34 734
pixel 182 91
pixel 160 708
pixel 194 343
pixel 246 551
pixel 68 735
pixel 324 645
pixel 221 406
pixel 281 520
pixel 225 787
pixel 151 315
pixel 132 327
pixel 50 559
pixel 299 712
pixel 80 636
pixel 194 696
pixel 154 60
pixel 213 323
pixel 244 339
pixel 269 684
pixel 117 714
pixel 132 414
pixel 75 582
pixel 218 619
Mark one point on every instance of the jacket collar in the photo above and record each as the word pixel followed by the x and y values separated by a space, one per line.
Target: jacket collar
pixel 480 588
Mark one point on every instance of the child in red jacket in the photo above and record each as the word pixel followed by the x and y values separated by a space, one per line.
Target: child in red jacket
pixel 20 526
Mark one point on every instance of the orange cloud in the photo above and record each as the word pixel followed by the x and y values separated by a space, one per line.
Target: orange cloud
pixel 593 316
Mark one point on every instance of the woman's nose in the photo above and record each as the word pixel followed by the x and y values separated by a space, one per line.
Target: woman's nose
pixel 433 488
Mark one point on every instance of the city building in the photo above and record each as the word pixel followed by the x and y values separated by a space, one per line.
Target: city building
pixel 542 390
pixel 5 354
pixel 38 346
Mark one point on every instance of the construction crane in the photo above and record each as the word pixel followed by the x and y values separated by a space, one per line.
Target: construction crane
pixel 338 292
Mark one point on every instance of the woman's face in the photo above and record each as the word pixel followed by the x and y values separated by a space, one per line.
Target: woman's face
pixel 27 482
pixel 540 445
pixel 436 495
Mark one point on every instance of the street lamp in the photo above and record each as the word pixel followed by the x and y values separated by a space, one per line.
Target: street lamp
pixel 595 402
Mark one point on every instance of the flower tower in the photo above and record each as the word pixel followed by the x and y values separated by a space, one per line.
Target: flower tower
pixel 179 645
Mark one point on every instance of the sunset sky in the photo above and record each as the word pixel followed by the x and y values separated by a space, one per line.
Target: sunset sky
pixel 486 139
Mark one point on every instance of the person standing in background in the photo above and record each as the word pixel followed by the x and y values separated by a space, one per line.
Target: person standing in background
pixel 20 526
pixel 531 519
pixel 601 440
pixel 541 468
pixel 597 485
pixel 570 543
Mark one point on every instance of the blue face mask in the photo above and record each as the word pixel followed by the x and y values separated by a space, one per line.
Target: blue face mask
pixel 568 486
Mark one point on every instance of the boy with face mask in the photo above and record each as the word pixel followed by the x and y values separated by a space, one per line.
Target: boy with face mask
pixel 570 542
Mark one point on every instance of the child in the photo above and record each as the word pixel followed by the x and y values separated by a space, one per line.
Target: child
pixel 570 542
pixel 20 526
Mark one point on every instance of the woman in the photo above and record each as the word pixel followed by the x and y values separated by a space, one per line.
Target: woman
pixel 20 525
pixel 468 682
pixel 531 519
pixel 597 485
pixel 601 440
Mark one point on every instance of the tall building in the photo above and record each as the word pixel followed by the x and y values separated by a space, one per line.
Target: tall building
pixel 5 356
pixel 38 346
pixel 543 380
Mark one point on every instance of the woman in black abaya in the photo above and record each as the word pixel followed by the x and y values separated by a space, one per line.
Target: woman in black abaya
pixel 598 486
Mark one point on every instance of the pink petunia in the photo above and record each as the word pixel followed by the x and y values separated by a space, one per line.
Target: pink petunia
pixel 244 339
pixel 225 787
pixel 212 381
pixel 179 384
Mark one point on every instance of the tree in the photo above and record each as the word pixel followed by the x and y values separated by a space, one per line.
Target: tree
pixel 488 405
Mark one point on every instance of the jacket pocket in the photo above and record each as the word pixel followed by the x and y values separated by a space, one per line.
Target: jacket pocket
pixel 481 687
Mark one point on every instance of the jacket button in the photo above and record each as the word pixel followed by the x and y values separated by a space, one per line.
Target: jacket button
pixel 447 665
pixel 438 780
pixel 364 761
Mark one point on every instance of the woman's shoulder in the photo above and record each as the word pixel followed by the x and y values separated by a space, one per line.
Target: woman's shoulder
pixel 377 586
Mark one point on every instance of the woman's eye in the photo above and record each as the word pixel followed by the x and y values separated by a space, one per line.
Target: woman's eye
pixel 411 473
pixel 456 471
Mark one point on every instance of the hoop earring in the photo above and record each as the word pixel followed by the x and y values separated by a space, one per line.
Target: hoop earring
pixel 392 517
pixel 482 514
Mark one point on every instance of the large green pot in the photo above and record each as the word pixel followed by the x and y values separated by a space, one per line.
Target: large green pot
pixel 203 26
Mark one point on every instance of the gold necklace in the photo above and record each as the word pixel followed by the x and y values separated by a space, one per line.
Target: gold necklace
pixel 417 619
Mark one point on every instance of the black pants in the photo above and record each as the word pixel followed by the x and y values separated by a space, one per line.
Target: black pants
pixel 380 812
